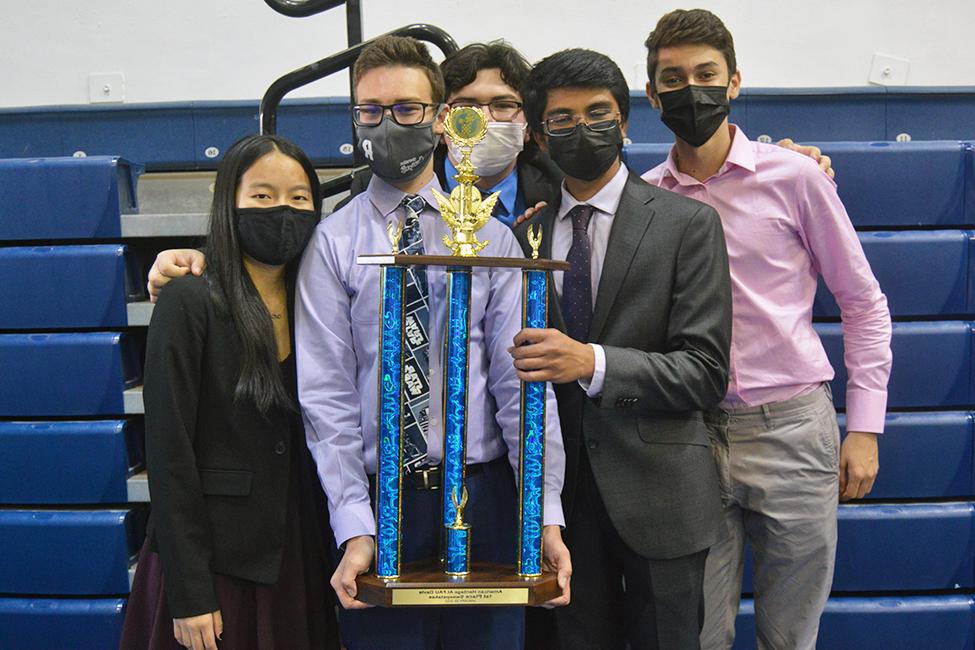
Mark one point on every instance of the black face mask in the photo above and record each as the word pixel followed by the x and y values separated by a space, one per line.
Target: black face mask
pixel 586 154
pixel 275 235
pixel 694 113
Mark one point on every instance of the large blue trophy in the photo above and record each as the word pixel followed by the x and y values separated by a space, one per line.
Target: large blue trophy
pixel 452 579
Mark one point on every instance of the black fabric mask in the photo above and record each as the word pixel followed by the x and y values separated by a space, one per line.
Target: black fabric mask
pixel 275 235
pixel 586 154
pixel 397 153
pixel 694 113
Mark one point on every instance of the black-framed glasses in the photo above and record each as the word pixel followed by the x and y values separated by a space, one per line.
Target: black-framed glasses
pixel 598 119
pixel 403 113
pixel 502 110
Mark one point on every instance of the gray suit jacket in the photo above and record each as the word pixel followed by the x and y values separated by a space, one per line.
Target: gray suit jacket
pixel 663 316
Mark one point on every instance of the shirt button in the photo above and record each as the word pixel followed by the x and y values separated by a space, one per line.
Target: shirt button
pixel 280 448
pixel 593 443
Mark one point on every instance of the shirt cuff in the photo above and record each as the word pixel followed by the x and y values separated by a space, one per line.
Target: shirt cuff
pixel 553 511
pixel 594 387
pixel 865 410
pixel 351 521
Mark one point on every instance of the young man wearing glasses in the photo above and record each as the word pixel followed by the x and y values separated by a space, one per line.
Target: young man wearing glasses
pixel 641 348
pixel 399 115
pixel 775 435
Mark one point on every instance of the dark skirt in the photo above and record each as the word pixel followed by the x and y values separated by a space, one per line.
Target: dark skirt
pixel 296 613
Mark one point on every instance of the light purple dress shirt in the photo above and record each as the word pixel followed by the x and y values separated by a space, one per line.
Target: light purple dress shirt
pixel 784 226
pixel 605 201
pixel 337 336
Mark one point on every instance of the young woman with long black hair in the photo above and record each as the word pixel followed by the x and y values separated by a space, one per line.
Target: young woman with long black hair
pixel 235 553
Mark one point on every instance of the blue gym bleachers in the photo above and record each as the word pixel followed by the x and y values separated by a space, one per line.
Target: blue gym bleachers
pixel 925 456
pixel 58 287
pixel 68 462
pixel 67 537
pixel 66 373
pixel 68 552
pixel 66 198
pixel 887 623
pixel 60 623
pixel 940 286
pixel 932 364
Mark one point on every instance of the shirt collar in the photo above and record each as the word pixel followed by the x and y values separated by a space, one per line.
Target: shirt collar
pixel 507 186
pixel 606 200
pixel 741 155
pixel 386 198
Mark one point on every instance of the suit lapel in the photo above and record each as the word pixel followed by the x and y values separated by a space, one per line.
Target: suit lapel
pixel 633 217
pixel 547 221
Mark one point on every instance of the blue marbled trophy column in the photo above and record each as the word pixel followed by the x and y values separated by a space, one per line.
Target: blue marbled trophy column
pixel 532 461
pixel 389 457
pixel 456 342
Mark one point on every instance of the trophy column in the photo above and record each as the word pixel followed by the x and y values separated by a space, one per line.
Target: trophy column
pixel 456 351
pixel 532 457
pixel 389 457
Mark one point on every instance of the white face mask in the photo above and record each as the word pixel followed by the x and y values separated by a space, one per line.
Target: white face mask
pixel 500 146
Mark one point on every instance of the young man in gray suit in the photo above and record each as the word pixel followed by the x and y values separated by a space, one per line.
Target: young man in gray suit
pixel 639 347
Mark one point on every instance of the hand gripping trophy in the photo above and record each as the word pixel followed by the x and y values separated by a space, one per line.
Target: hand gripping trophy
pixel 452 579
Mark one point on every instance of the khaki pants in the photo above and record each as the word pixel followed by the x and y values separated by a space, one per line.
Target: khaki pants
pixel 778 465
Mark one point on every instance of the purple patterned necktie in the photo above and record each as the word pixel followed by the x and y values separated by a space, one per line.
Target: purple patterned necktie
pixel 577 281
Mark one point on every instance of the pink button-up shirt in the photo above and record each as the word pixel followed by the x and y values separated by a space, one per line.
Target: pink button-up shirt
pixel 785 225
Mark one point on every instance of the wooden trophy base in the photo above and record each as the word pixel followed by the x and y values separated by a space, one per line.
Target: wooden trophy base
pixel 424 584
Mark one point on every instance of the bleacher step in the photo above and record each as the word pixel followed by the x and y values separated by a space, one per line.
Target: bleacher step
pixel 137 487
pixel 132 401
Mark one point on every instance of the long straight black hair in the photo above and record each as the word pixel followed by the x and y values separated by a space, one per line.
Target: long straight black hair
pixel 260 378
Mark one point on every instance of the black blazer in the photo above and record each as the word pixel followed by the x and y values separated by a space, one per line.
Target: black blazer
pixel 539 179
pixel 663 317
pixel 218 469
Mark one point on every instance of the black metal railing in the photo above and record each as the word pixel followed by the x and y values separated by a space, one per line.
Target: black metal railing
pixel 336 63
pixel 305 8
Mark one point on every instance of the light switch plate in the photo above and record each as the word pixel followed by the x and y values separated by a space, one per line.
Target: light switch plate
pixel 888 70
pixel 106 88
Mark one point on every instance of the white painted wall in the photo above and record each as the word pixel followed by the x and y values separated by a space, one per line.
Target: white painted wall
pixel 177 50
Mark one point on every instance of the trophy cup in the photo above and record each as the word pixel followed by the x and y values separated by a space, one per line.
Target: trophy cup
pixel 452 579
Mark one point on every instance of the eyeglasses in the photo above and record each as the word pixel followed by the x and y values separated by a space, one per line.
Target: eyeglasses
pixel 403 113
pixel 598 119
pixel 502 110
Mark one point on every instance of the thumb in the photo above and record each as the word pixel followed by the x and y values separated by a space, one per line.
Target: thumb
pixel 218 624
pixel 348 580
pixel 843 467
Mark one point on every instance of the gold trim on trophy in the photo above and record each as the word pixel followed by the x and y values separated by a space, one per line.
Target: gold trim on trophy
pixel 394 230
pixel 464 211
pixel 535 240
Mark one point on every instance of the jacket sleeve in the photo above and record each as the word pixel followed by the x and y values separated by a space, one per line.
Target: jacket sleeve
pixel 693 373
pixel 174 356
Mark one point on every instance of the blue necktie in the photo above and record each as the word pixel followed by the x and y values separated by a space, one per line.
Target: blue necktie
pixel 577 281
pixel 416 362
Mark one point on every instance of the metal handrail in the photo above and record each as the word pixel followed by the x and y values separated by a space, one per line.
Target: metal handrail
pixel 268 115
pixel 303 8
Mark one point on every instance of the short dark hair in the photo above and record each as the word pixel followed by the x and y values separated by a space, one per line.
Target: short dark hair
pixel 575 68
pixel 461 67
pixel 689 27
pixel 399 50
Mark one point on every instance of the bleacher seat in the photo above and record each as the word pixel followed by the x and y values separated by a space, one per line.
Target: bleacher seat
pixel 60 624
pixel 65 198
pixel 641 157
pixel 925 456
pixel 890 623
pixel 54 287
pixel 940 287
pixel 807 114
pixel 931 113
pixel 899 184
pixel 932 364
pixel 68 462
pixel 934 549
pixel 66 374
pixel 68 552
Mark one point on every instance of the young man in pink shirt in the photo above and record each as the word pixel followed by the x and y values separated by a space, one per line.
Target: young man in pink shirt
pixel 774 436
